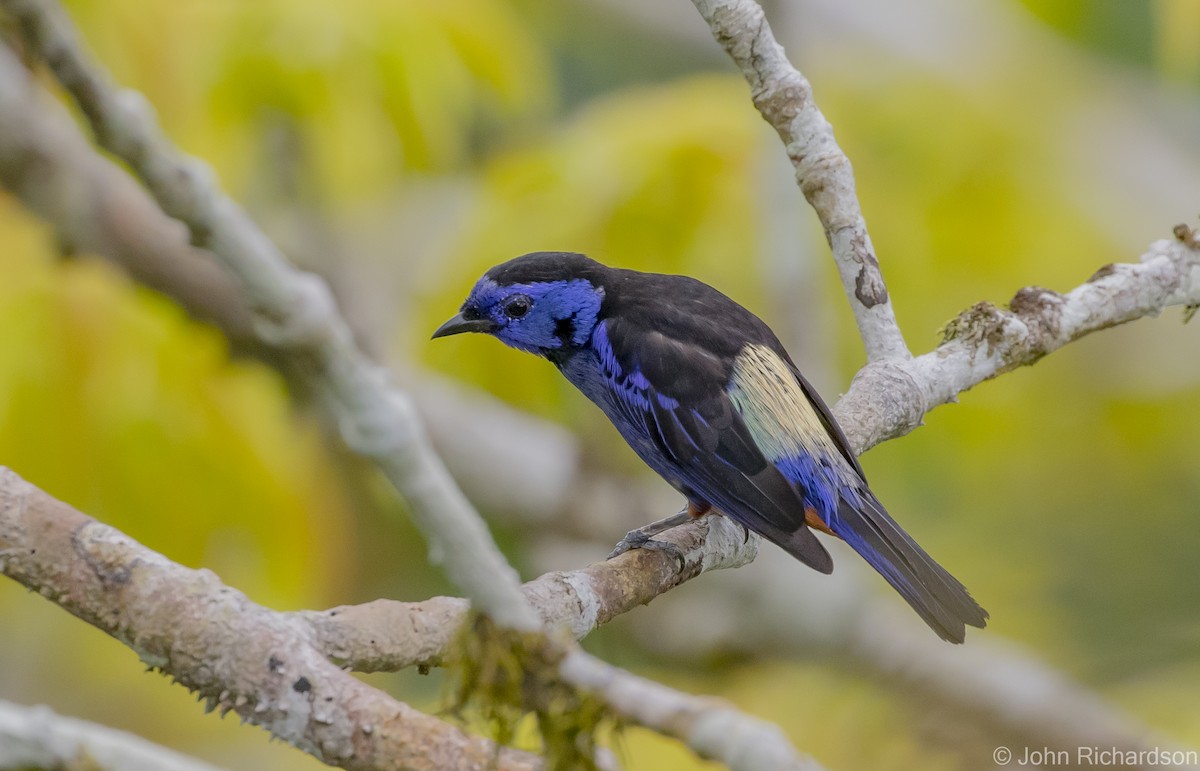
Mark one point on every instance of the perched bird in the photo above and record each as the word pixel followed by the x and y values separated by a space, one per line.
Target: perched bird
pixel 705 394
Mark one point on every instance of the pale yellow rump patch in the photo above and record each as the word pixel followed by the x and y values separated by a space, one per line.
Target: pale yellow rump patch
pixel 769 398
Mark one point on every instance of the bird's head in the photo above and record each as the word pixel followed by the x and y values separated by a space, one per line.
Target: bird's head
pixel 545 302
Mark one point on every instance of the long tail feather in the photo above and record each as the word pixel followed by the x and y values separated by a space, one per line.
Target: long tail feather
pixel 943 602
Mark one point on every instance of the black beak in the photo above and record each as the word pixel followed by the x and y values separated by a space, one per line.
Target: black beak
pixel 458 325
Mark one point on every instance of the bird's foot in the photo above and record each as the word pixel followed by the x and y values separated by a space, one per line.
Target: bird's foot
pixel 636 539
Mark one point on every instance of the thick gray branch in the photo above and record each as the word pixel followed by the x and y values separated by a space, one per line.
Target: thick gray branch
pixel 785 99
pixel 270 668
pixel 238 656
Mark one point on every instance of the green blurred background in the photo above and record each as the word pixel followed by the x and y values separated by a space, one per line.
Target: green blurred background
pixel 401 147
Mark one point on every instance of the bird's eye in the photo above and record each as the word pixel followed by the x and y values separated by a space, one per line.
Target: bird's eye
pixel 517 306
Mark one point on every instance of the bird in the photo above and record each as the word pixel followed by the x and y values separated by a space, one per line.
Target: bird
pixel 707 396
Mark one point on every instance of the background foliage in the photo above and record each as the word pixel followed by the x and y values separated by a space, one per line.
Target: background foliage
pixel 403 147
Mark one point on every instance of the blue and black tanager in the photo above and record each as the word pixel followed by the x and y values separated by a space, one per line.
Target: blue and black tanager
pixel 706 395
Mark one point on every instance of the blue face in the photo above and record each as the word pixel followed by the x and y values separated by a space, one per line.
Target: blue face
pixel 539 317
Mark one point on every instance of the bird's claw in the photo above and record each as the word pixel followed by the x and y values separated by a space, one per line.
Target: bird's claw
pixel 636 539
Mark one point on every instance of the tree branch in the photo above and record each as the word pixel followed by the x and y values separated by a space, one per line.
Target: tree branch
pixel 891 394
pixel 710 726
pixel 95 207
pixel 1011 693
pixel 889 398
pixel 294 311
pixel 785 99
pixel 273 671
pixel 385 635
pixel 237 655
pixel 35 737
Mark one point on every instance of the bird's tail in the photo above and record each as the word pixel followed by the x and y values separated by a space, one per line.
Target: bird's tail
pixel 937 596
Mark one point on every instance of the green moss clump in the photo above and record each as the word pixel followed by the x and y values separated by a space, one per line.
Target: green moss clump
pixel 500 676
pixel 979 323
